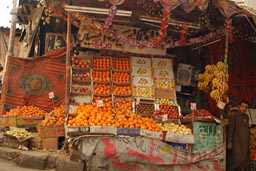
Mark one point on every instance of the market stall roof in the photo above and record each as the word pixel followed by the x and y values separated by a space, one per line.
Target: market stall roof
pixel 191 18
pixel 201 17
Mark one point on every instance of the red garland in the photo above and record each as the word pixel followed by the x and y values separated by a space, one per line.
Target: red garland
pixel 183 35
pixel 162 31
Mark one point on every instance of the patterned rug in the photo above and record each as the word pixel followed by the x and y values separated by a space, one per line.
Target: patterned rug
pixel 29 81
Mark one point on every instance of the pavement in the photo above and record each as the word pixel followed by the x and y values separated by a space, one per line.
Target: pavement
pixel 38 160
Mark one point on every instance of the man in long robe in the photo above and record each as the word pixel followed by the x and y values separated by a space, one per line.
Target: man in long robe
pixel 238 139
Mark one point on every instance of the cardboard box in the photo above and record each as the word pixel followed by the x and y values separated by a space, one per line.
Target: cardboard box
pixel 128 131
pixel 8 120
pixel 51 131
pixel 165 94
pixel 50 143
pixel 28 122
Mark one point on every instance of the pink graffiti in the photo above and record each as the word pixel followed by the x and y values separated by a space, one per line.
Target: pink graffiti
pixel 149 158
pixel 110 152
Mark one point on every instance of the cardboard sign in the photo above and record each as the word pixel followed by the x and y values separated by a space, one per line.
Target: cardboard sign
pixel 103 129
pixel 207 136
pixel 152 134
pixel 99 103
pixel 179 138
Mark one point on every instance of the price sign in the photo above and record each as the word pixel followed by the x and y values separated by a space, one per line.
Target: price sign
pixel 137 101
pixel 179 138
pixel 164 118
pixel 193 106
pixel 157 106
pixel 99 103
pixel 51 95
pixel 151 134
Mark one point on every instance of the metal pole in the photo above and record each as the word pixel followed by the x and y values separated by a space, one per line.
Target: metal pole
pixel 13 28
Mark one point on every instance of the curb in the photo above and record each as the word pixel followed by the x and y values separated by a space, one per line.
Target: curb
pixel 40 160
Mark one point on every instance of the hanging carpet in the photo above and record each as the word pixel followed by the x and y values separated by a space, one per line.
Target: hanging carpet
pixel 29 81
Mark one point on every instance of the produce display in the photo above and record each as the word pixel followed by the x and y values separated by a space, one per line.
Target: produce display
pixel 81 89
pixel 122 90
pixel 102 62
pixel 19 133
pixel 171 111
pixel 101 76
pixel 102 89
pixel 202 113
pixel 55 117
pixel 175 128
pixel 166 101
pixel 80 63
pixel 164 83
pixel 26 111
pixel 121 64
pixel 121 77
pixel 81 77
pixel 143 91
pixel 214 80
pixel 91 115
pixel 145 109
pixel 125 103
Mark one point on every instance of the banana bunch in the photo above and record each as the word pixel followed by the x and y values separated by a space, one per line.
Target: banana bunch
pixel 19 133
pixel 212 80
pixel 175 128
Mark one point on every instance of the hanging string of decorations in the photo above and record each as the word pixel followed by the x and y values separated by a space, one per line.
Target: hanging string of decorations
pixel 56 8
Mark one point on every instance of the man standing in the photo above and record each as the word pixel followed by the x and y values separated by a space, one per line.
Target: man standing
pixel 238 139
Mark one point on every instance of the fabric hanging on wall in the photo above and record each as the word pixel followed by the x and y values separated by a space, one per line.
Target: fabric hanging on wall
pixel 28 81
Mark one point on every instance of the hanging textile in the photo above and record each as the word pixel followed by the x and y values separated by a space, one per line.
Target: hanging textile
pixel 28 81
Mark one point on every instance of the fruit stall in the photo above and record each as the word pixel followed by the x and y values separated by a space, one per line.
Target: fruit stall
pixel 132 103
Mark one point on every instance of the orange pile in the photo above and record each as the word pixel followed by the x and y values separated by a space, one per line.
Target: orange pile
pixel 102 89
pixel 121 64
pixel 55 117
pixel 26 111
pixel 123 103
pixel 101 63
pixel 121 77
pixel 101 76
pixel 122 90
pixel 90 115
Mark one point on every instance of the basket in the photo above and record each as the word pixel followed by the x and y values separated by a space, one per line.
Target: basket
pixel 15 142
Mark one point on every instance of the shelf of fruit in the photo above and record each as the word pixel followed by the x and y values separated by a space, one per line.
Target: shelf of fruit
pixel 145 109
pixel 81 90
pixel 200 115
pixel 103 63
pixel 100 76
pixel 55 117
pixel 166 109
pixel 121 64
pixel 81 78
pixel 26 111
pixel 161 101
pixel 91 115
pixel 123 103
pixel 122 90
pixel 102 89
pixel 121 78
pixel 80 63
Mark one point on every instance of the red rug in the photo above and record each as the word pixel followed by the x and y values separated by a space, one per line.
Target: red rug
pixel 29 81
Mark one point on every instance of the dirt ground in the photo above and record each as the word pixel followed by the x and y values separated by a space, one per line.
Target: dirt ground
pixel 6 165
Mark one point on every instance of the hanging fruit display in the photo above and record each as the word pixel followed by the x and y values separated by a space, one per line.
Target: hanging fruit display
pixel 214 80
